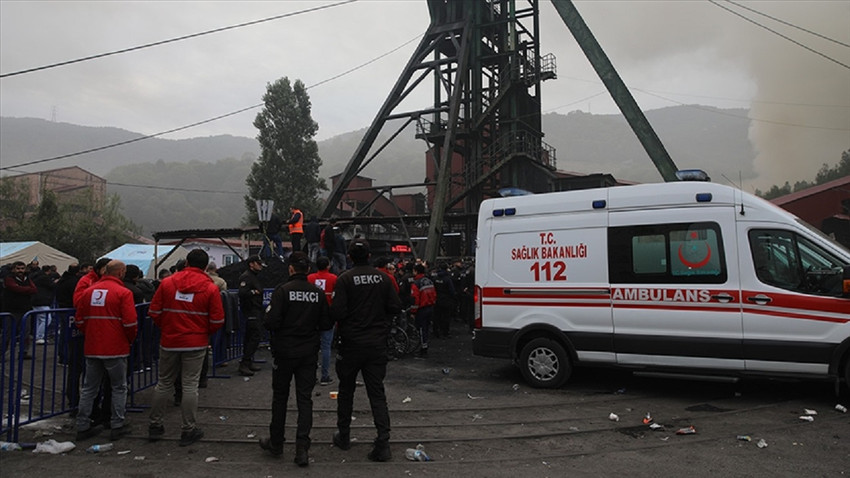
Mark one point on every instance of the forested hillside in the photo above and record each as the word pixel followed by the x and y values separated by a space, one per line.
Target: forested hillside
pixel 169 184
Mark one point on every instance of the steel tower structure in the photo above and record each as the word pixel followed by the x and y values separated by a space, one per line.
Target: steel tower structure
pixel 483 128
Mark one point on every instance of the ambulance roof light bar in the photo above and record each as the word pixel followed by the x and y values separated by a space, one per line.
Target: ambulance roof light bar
pixel 692 175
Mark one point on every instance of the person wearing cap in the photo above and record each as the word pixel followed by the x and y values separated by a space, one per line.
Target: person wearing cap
pixel 363 305
pixel 297 314
pixel 251 302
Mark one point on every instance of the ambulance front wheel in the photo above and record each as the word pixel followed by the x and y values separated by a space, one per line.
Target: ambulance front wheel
pixel 544 363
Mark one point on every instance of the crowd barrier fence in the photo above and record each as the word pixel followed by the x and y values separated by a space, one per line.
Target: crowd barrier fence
pixel 41 379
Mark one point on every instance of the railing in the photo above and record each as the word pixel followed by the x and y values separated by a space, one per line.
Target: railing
pixel 505 148
pixel 43 380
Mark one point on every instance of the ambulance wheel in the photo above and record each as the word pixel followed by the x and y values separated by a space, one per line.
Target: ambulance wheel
pixel 544 363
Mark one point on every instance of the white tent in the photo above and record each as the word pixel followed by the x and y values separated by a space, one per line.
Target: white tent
pixel 142 255
pixel 29 250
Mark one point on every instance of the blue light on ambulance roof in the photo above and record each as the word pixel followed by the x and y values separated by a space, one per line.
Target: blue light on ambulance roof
pixel 510 211
pixel 498 212
pixel 703 197
pixel 599 204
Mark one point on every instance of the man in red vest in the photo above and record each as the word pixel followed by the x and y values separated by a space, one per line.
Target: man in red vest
pixel 187 309
pixel 106 315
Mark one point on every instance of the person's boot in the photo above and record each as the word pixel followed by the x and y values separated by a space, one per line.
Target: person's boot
pixel 245 369
pixel 380 452
pixel 302 457
pixel 343 442
pixel 266 444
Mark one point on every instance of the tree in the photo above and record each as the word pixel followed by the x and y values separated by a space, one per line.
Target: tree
pixel 825 175
pixel 14 205
pixel 287 170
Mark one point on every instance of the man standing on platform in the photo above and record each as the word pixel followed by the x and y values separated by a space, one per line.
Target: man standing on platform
pixel 296 228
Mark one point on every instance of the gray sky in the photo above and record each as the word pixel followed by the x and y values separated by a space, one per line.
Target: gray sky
pixel 668 52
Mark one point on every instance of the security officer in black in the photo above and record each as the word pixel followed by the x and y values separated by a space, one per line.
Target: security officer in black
pixel 251 302
pixel 364 302
pixel 297 313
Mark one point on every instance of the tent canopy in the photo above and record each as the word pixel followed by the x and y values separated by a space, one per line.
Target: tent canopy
pixel 142 255
pixel 29 250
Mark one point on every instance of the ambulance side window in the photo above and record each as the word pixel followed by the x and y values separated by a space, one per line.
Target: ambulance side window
pixel 667 253
pixel 786 260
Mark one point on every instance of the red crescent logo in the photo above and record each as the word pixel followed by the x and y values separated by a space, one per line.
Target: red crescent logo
pixel 695 265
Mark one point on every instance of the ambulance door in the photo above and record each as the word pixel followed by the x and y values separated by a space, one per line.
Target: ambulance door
pixel 674 288
pixel 794 315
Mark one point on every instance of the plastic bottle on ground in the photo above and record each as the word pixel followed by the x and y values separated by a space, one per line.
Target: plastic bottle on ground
pixel 417 454
pixel 99 448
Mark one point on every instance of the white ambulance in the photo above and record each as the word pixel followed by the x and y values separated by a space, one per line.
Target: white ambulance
pixel 685 277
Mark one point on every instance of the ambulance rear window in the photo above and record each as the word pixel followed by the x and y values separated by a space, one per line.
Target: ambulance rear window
pixel 666 253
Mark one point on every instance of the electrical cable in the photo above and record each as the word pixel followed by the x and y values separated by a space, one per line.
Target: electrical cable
pixel 788 24
pixel 172 40
pixel 181 128
pixel 812 50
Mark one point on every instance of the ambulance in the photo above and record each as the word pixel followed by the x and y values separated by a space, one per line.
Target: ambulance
pixel 681 277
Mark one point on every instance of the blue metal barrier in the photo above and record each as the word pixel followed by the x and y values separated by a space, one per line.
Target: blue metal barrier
pixel 11 356
pixel 43 380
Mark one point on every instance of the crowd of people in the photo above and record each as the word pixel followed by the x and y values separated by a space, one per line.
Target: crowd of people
pixel 334 295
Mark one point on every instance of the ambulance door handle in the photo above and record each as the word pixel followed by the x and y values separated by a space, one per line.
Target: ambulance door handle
pixel 724 297
pixel 759 299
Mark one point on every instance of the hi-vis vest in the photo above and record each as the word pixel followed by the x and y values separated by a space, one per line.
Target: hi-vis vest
pixel 298 227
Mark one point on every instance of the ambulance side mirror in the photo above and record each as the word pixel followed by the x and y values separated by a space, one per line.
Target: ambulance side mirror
pixel 846 282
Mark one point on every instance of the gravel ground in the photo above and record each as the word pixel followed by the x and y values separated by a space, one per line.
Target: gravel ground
pixel 475 417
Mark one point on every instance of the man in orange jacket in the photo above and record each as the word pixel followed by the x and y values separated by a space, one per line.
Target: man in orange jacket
pixel 187 309
pixel 106 315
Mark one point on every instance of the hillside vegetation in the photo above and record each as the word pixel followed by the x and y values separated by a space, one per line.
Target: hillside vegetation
pixel 199 182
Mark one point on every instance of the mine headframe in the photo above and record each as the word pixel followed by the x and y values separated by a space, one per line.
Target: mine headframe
pixel 483 128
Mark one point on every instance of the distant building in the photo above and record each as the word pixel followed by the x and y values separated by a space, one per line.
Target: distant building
pixel 362 194
pixel 825 206
pixel 70 185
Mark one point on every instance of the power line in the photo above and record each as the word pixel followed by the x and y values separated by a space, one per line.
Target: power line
pixel 181 128
pixel 129 141
pixel 715 3
pixel 172 40
pixel 788 24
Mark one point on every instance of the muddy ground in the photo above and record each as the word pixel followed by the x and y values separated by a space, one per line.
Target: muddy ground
pixel 476 418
